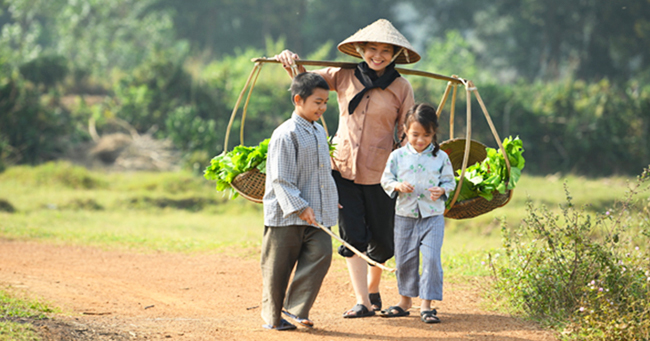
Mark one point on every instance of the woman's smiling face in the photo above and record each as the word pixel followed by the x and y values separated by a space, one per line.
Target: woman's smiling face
pixel 378 56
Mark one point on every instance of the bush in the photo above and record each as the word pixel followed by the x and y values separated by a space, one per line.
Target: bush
pixel 47 70
pixel 55 173
pixel 30 131
pixel 588 275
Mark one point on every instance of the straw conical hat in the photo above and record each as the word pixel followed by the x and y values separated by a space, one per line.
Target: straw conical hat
pixel 381 31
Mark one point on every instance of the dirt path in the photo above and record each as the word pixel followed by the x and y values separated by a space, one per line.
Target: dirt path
pixel 113 295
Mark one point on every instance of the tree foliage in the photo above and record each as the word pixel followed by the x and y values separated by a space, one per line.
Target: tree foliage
pixel 568 77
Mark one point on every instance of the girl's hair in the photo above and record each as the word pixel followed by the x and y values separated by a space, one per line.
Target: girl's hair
pixel 424 114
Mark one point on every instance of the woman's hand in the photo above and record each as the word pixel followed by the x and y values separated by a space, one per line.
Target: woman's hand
pixel 404 187
pixel 288 58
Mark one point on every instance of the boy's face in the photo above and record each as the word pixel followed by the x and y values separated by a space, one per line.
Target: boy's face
pixel 313 107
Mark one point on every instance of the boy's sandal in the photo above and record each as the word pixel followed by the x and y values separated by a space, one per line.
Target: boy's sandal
pixel 394 311
pixel 284 325
pixel 358 310
pixel 375 301
pixel 303 321
pixel 429 316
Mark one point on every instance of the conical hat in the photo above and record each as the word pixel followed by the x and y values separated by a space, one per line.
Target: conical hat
pixel 381 31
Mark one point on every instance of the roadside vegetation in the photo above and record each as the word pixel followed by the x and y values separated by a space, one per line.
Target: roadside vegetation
pixel 583 272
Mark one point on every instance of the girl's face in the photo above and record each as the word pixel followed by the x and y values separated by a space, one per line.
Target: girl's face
pixel 418 137
pixel 313 107
pixel 378 56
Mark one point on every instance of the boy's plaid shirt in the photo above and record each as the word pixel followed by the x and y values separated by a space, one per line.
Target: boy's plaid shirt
pixel 298 174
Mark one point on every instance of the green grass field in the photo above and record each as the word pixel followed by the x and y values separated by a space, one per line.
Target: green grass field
pixel 181 212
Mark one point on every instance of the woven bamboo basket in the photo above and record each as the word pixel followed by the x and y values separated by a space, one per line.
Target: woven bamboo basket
pixel 250 185
pixel 476 206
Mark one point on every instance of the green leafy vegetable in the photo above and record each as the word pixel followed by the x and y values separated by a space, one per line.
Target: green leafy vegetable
pixel 491 175
pixel 225 167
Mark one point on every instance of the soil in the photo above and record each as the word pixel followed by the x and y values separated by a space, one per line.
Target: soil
pixel 128 295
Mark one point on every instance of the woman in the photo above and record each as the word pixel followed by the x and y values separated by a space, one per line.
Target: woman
pixel 373 100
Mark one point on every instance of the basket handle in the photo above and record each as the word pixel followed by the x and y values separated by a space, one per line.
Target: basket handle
pixel 253 76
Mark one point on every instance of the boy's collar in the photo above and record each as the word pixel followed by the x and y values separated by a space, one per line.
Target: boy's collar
pixel 301 120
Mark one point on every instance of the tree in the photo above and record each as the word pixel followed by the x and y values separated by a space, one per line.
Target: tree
pixel 550 39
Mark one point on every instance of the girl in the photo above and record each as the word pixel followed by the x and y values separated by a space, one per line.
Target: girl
pixel 373 100
pixel 423 176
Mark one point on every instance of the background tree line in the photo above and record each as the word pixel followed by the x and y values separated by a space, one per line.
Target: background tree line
pixel 569 77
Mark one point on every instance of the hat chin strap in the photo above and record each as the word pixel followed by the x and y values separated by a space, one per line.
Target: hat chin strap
pixel 398 52
pixel 359 49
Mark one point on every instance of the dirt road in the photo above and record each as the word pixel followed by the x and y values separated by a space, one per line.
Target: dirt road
pixel 121 295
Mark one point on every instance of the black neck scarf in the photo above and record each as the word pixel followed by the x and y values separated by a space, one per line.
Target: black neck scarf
pixel 368 77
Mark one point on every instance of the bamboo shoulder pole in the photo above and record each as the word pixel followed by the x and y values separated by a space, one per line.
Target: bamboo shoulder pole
pixel 347 65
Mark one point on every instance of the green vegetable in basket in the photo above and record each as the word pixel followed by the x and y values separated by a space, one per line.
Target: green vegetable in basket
pixel 225 167
pixel 490 175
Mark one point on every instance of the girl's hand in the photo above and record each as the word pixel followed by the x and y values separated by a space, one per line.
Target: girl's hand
pixel 308 216
pixel 404 187
pixel 436 192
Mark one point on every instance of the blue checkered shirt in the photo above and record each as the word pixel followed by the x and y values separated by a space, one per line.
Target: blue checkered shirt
pixel 298 174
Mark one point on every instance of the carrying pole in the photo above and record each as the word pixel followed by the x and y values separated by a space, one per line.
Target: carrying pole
pixel 347 65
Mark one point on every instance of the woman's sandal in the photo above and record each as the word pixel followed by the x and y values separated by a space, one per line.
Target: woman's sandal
pixel 358 310
pixel 429 316
pixel 375 301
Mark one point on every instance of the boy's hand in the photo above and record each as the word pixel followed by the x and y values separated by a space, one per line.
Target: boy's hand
pixel 404 187
pixel 308 216
pixel 436 192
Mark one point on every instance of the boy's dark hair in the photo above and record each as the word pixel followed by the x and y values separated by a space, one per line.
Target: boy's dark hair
pixel 304 84
pixel 424 114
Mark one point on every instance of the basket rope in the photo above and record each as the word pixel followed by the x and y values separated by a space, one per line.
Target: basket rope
pixel 469 88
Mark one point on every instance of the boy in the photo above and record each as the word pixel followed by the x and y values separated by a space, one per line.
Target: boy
pixel 300 192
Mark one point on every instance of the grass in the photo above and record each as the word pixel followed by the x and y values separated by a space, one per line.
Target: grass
pixel 12 309
pixel 61 203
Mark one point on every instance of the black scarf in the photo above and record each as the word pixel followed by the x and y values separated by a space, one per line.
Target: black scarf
pixel 368 77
